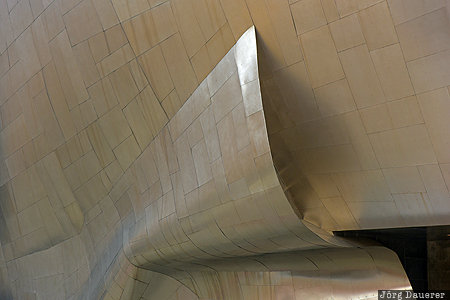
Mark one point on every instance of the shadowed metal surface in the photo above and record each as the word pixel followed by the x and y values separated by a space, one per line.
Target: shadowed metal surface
pixel 141 158
pixel 203 205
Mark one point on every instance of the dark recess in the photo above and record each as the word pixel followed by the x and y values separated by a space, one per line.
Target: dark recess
pixel 423 251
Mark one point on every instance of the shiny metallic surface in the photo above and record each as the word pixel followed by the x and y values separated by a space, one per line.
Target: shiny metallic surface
pixel 172 150
pixel 205 207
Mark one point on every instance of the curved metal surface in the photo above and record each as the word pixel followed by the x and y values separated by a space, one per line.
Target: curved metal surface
pixel 141 158
pixel 203 205
pixel 220 194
